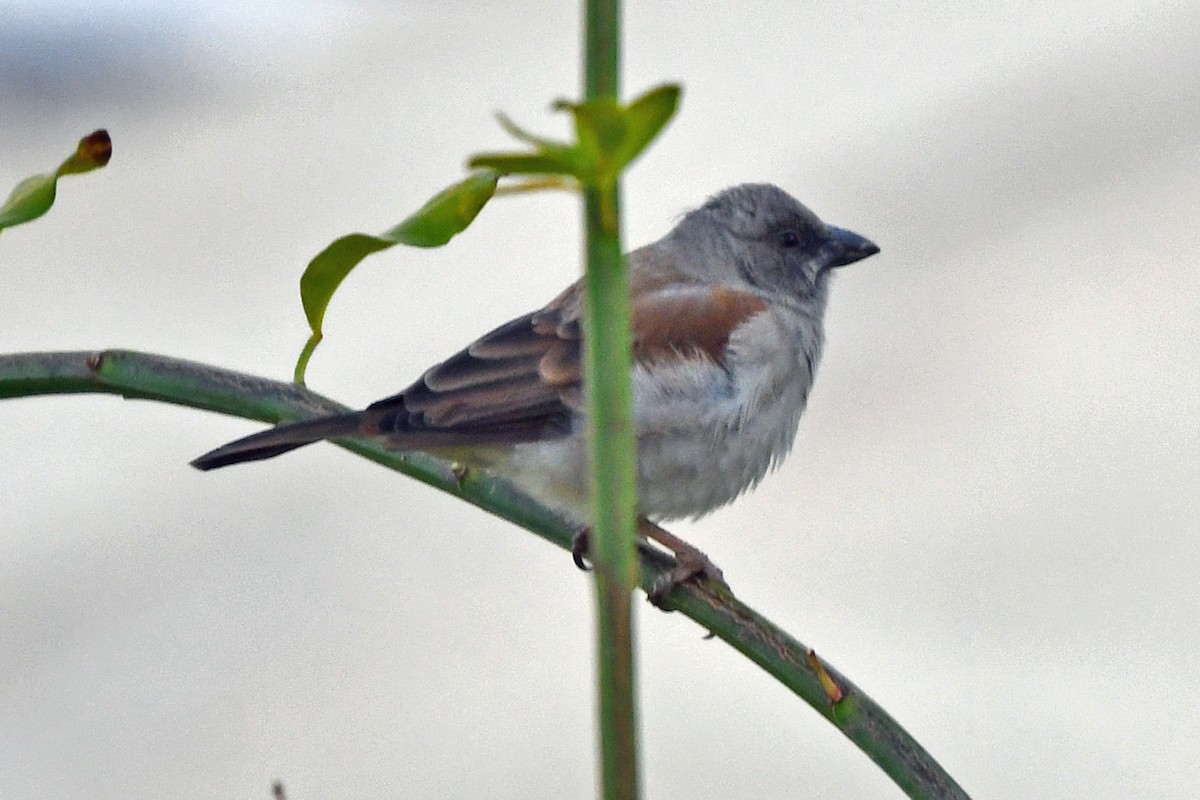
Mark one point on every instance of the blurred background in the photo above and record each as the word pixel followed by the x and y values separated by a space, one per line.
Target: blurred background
pixel 990 520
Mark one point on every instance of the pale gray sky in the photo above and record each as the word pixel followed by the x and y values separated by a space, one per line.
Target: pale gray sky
pixel 990 520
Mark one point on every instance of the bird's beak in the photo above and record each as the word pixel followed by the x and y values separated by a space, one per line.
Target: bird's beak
pixel 846 247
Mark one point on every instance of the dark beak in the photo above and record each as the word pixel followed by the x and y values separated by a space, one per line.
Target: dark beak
pixel 846 247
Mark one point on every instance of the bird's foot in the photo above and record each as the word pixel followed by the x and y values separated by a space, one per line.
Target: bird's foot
pixel 690 562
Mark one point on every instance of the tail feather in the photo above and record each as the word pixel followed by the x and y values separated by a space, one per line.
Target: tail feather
pixel 281 439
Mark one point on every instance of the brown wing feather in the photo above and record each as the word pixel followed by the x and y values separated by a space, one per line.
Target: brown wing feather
pixel 492 392
pixel 685 321
pixel 522 381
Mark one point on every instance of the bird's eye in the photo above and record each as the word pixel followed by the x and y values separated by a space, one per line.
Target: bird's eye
pixel 790 239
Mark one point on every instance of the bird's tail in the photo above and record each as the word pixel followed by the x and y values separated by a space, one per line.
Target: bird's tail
pixel 281 439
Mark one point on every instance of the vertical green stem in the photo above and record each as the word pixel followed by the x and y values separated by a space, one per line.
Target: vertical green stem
pixel 602 32
pixel 607 348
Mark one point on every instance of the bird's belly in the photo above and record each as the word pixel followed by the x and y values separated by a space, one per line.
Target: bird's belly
pixel 689 472
pixel 694 454
pixel 710 437
pixel 684 473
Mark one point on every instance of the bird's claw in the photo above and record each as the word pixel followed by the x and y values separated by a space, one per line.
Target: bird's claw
pixel 579 550
pixel 691 564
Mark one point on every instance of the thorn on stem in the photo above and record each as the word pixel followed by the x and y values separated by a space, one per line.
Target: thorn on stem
pixel 832 690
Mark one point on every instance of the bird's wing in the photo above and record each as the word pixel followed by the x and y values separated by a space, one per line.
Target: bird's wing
pixel 522 381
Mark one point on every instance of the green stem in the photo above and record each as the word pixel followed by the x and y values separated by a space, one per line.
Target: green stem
pixel 602 55
pixel 607 354
pixel 607 350
pixel 187 383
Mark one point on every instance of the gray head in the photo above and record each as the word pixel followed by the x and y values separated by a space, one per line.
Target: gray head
pixel 772 241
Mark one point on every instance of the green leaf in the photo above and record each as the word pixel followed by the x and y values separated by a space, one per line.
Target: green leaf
pixel 608 137
pixel 448 213
pixel 646 117
pixel 34 196
pixel 29 200
pixel 523 164
pixel 331 266
pixel 601 128
pixel 612 135
pixel 547 157
pixel 520 134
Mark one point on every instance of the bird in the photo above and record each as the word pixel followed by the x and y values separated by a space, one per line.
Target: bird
pixel 728 328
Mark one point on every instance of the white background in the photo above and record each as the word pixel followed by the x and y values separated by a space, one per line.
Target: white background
pixel 990 521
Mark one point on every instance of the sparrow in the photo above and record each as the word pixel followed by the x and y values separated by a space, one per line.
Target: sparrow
pixel 728 313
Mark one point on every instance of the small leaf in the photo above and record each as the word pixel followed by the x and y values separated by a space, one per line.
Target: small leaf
pixel 30 199
pixel 523 164
pixel 33 196
pixel 331 266
pixel 448 213
pixel 613 135
pixel 608 137
pixel 548 157
pixel 601 127
pixel 561 152
pixel 521 135
pixel 93 152
pixel 646 117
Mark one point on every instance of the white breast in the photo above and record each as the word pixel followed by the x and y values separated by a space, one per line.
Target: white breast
pixel 706 432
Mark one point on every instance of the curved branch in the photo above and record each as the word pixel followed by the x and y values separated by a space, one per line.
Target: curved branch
pixel 187 383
